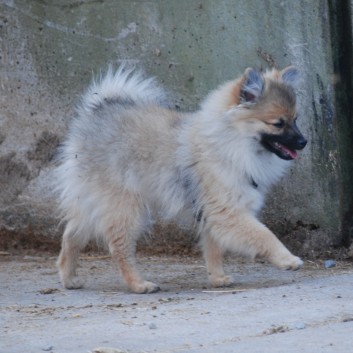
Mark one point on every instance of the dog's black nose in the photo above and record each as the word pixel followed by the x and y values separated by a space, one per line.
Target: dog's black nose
pixel 302 141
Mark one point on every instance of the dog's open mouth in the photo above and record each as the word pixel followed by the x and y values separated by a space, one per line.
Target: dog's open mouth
pixel 284 145
pixel 283 151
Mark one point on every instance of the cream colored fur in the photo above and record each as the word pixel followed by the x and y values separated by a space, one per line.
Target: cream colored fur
pixel 128 161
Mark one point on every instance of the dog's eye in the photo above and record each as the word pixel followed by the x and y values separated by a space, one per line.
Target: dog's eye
pixel 280 124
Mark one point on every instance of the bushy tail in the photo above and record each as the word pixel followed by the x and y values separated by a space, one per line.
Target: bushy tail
pixel 125 86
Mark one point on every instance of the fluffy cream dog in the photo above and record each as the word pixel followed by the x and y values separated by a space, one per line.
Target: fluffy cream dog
pixel 128 160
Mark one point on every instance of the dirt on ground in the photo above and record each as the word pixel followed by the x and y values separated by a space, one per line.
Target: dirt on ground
pixel 267 310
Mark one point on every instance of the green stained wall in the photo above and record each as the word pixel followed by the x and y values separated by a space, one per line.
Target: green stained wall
pixel 50 49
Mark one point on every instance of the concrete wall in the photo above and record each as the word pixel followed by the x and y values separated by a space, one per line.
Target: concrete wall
pixel 50 49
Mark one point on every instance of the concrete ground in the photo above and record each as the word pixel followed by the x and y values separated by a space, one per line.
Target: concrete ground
pixel 310 310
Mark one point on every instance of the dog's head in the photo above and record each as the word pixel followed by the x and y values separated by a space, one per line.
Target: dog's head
pixel 266 105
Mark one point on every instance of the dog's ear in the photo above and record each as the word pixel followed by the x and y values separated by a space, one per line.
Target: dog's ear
pixel 252 87
pixel 290 76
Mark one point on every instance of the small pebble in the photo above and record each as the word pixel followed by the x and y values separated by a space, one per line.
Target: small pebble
pixel 152 326
pixel 47 348
pixel 330 263
pixel 48 290
pixel 300 326
pixel 107 350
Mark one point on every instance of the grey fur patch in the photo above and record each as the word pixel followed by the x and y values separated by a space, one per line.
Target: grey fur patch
pixel 253 86
pixel 290 76
pixel 124 102
pixel 119 100
pixel 191 188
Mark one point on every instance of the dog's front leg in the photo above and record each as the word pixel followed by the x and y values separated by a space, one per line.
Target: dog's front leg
pixel 243 233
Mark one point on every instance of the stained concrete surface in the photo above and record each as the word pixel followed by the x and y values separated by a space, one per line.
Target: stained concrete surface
pixel 268 310
pixel 49 50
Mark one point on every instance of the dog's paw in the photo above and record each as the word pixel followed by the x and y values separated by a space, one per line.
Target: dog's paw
pixel 288 262
pixel 295 264
pixel 144 287
pixel 72 283
pixel 221 281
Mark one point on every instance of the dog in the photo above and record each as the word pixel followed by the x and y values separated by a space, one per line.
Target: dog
pixel 129 160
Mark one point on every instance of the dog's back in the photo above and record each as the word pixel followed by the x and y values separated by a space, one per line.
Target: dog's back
pixel 120 140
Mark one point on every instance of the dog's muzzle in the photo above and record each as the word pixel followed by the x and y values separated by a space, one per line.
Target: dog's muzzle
pixel 285 145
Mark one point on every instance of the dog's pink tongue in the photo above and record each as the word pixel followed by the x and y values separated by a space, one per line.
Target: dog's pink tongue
pixel 292 153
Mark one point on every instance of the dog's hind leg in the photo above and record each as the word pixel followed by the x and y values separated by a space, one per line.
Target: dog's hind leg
pixel 71 246
pixel 122 235
pixel 213 255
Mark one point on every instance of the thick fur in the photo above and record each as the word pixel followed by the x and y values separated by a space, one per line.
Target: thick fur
pixel 128 160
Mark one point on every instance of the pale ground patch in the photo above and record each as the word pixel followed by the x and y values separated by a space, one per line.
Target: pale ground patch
pixel 268 310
